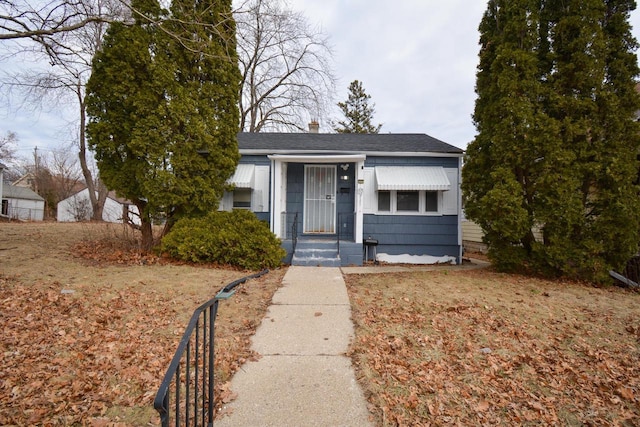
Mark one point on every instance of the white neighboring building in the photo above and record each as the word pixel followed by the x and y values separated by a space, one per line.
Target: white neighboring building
pixel 21 203
pixel 78 208
pixel 2 168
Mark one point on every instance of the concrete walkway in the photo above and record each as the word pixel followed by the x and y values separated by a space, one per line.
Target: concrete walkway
pixel 303 377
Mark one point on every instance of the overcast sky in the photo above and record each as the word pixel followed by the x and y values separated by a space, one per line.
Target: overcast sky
pixel 416 58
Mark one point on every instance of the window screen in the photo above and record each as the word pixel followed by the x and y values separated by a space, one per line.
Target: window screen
pixel 432 201
pixel 408 201
pixel 384 201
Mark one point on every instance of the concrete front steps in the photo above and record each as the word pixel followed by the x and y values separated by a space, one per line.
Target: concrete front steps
pixel 317 253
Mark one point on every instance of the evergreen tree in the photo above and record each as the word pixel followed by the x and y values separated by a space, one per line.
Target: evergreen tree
pixel 162 102
pixel 357 112
pixel 557 142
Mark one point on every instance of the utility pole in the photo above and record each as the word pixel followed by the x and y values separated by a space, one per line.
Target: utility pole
pixel 35 160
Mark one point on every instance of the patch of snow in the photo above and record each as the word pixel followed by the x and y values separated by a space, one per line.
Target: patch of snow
pixel 415 259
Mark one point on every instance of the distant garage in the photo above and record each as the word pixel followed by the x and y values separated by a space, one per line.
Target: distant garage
pixel 78 208
pixel 21 203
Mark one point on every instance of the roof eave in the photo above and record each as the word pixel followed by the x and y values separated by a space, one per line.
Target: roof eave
pixel 265 152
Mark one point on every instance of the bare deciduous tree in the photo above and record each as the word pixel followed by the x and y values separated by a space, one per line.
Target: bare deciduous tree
pixel 285 63
pixel 8 146
pixel 66 172
pixel 70 54
pixel 38 21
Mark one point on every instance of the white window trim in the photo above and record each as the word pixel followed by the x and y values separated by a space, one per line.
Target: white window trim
pixel 422 206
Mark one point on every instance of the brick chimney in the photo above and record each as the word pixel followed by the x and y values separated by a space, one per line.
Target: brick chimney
pixel 314 127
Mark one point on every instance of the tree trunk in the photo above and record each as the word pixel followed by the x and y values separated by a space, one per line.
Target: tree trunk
pixel 97 202
pixel 147 233
pixel 145 226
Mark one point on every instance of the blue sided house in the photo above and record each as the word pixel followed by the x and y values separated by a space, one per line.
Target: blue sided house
pixel 336 199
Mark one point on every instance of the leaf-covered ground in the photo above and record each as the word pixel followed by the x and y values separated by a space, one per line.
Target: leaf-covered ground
pixel 88 329
pixel 482 348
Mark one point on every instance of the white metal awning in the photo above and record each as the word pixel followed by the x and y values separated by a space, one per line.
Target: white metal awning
pixel 244 176
pixel 412 178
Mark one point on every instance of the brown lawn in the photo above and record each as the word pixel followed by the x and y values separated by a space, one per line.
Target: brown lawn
pixel 431 348
pixel 482 348
pixel 87 339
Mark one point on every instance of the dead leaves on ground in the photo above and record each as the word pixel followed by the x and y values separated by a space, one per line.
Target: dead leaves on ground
pixel 103 252
pixel 97 356
pixel 426 358
pixel 66 360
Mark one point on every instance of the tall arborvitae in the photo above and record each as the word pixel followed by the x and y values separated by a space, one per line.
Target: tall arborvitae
pixel 501 169
pixel 202 115
pixel 162 102
pixel 550 175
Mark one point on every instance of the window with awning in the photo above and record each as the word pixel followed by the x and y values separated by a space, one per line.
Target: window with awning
pixel 244 176
pixel 251 190
pixel 411 178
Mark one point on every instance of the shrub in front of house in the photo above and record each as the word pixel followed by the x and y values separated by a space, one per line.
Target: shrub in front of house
pixel 234 238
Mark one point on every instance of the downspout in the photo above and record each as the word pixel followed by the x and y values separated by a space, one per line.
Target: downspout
pixel 459 201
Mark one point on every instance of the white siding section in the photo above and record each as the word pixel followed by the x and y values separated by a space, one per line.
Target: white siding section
pixel 370 199
pixel 450 198
pixel 114 211
pixel 260 198
pixel 25 210
pixel 74 208
pixel 471 232
pixel 78 208
pixel 226 203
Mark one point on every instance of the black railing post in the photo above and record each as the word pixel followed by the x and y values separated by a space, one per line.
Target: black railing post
pixel 195 381
pixel 204 364
pixel 214 310
pixel 187 384
pixel 164 414
pixel 338 232
pixel 177 408
pixel 294 231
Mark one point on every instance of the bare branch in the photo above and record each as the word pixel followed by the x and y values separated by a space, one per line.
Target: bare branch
pixel 38 21
pixel 287 77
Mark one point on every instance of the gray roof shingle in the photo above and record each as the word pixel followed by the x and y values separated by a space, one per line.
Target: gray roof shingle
pixel 13 192
pixel 343 143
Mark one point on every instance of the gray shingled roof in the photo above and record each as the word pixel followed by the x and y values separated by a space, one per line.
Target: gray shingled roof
pixel 13 192
pixel 343 143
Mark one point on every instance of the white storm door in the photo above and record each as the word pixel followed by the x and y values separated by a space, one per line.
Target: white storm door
pixel 320 199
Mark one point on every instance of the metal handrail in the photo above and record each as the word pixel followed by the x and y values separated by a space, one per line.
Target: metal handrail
pixel 338 231
pixel 197 383
pixel 294 231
